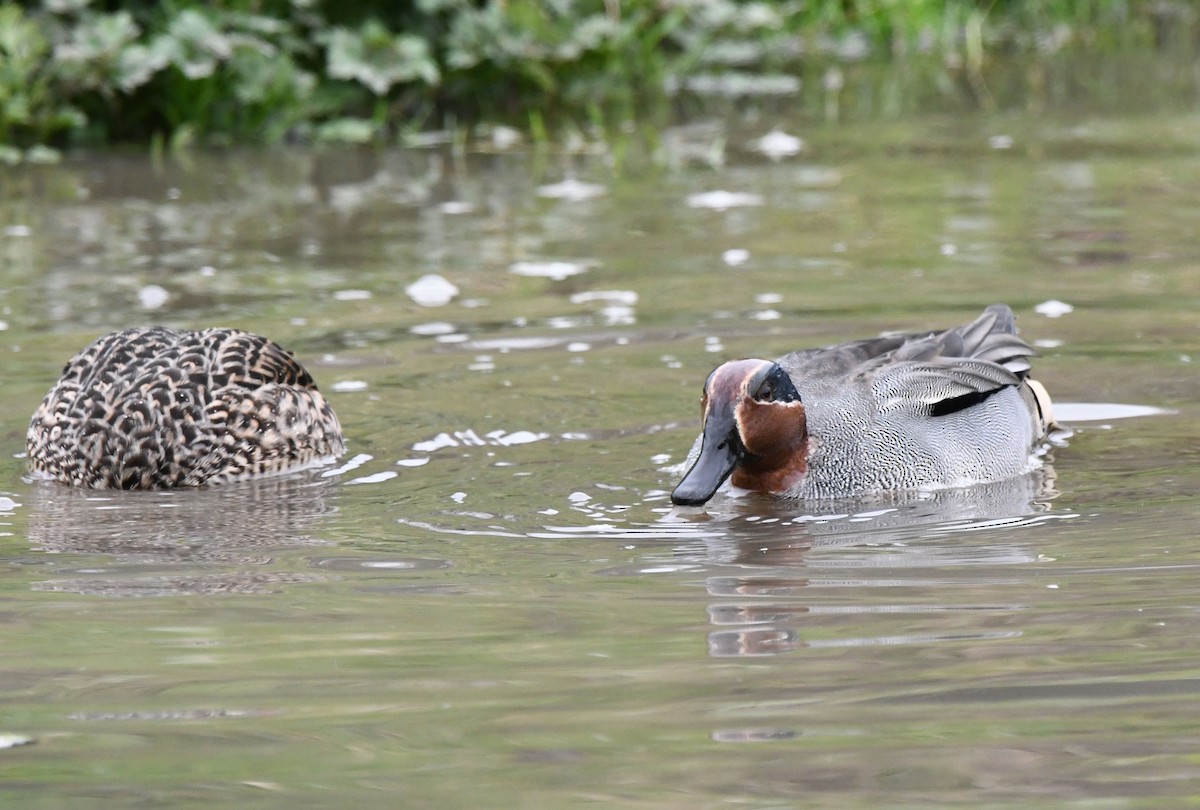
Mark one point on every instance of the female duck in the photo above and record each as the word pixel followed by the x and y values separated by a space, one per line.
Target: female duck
pixel 154 407
pixel 899 412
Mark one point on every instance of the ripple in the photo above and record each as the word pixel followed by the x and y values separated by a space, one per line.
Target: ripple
pixel 768 641
pixel 388 564
pixel 754 735
pixel 469 438
pixel 352 464
pixel 171 715
pixel 375 478
pixel 201 584
pixel 1101 411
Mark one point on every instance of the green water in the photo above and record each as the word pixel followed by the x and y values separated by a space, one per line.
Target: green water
pixel 516 618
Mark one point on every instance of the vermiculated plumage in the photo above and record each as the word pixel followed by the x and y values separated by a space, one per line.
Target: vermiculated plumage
pixel 897 412
pixel 151 408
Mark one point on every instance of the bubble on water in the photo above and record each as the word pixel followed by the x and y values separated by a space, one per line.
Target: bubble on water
pixel 152 296
pixel 1053 308
pixel 713 344
pixel 723 200
pixel 778 144
pixel 1001 142
pixel 572 190
pixel 208 271
pixel 375 478
pixel 412 462
pixel 432 328
pixel 578 346
pixel 455 338
pixel 348 386
pixel 661 458
pixel 948 249
pixel 1047 343
pixel 7 504
pixel 767 315
pixel 458 497
pixel 18 230
pixel 735 257
pixel 455 207
pixel 579 497
pixel 431 290
pixel 3 326
pixel 351 295
pixel 768 298
pixel 553 270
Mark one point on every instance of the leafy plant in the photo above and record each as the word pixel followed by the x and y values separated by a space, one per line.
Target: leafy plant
pixel 31 109
pixel 268 69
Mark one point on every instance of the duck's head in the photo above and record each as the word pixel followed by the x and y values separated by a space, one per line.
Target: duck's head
pixel 754 430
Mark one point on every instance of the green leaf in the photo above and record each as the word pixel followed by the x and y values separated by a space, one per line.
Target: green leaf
pixel 375 58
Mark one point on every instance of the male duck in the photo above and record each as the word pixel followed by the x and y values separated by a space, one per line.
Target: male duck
pixel 898 412
pixel 153 408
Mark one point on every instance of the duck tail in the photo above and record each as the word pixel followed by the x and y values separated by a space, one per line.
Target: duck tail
pixel 1042 406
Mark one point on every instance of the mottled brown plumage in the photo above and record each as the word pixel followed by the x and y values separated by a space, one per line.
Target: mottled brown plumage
pixel 152 408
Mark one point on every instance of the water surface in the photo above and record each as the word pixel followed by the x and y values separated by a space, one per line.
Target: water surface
pixel 490 602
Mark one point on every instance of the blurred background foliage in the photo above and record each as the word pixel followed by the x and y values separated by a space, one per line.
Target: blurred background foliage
pixel 85 72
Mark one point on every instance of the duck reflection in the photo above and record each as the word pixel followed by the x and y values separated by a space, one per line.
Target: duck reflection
pixel 166 542
pixel 879 572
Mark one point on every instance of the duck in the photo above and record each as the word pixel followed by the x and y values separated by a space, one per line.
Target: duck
pixel 159 408
pixel 901 412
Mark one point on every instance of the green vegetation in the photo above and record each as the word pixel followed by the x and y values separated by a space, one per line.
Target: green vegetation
pixel 91 71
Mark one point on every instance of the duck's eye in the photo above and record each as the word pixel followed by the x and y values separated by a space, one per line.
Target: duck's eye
pixel 777 387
